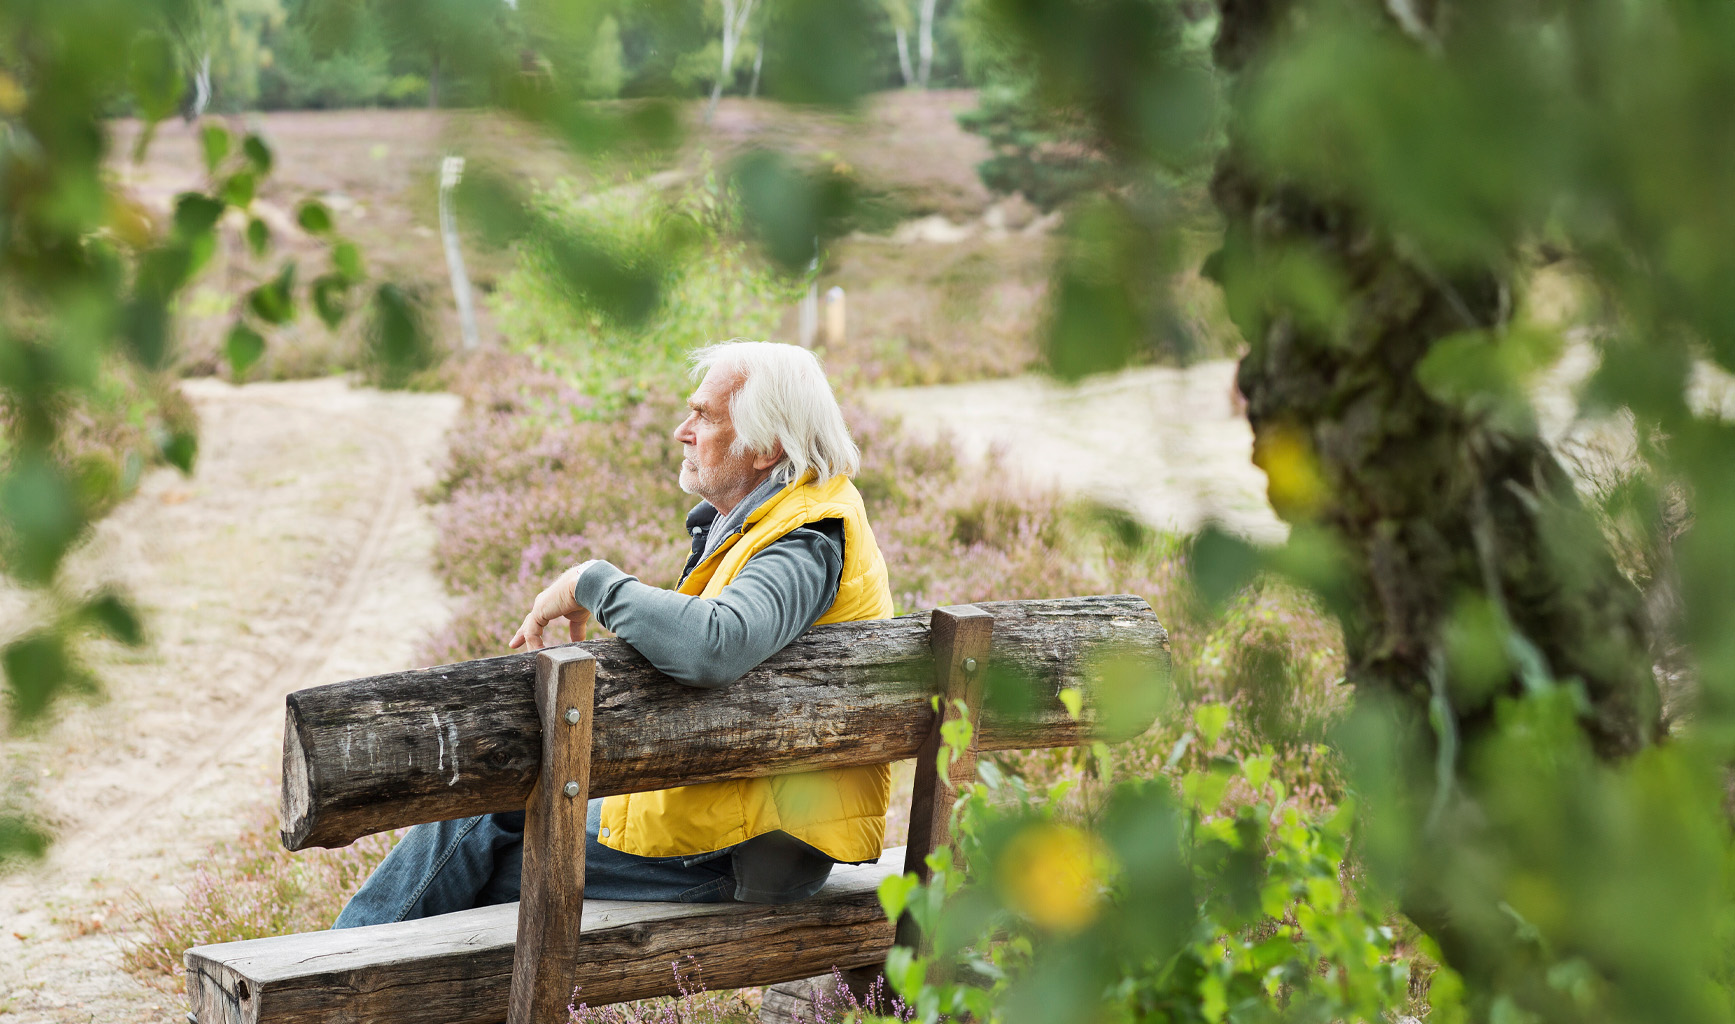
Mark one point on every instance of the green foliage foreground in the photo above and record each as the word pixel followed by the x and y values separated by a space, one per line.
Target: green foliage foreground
pixel 1389 175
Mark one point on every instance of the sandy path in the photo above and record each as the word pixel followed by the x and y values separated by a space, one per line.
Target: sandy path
pixel 1161 442
pixel 298 554
pixel 1166 444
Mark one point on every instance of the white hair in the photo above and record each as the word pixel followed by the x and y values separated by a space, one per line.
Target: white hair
pixel 781 396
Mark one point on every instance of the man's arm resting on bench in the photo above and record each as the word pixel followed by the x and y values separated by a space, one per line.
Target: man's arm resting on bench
pixel 778 594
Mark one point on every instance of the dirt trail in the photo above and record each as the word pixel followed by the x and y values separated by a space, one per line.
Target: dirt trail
pixel 1168 445
pixel 1163 443
pixel 298 554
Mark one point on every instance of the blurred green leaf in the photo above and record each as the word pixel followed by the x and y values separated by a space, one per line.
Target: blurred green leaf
pixel 38 667
pixel 1489 375
pixel 258 155
pixel 274 301
pixel 20 839
pixel 1211 720
pixel 156 78
pixel 145 329
pixel 1314 558
pixel 347 259
pixel 1108 301
pixel 1476 641
pixel 1131 694
pixel 813 50
pixel 243 348
pixel 179 449
pixel 790 210
pixel 238 189
pixel 258 237
pixel 331 298
pixel 40 504
pixel 894 893
pixel 592 268
pixel 214 141
pixel 1649 379
pixel 314 217
pixel 1452 154
pixel 115 617
pixel 397 343
pixel 1221 564
pixel 196 214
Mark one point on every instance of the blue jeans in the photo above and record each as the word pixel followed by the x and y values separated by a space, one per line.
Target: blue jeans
pixel 476 862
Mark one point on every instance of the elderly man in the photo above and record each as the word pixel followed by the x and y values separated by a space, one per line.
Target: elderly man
pixel 781 542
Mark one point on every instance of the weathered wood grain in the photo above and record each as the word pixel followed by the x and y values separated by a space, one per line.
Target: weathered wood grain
pixel 463 739
pixel 963 641
pixel 456 968
pixel 393 750
pixel 551 907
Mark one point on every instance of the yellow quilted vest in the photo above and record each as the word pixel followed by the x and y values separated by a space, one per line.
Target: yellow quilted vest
pixel 840 812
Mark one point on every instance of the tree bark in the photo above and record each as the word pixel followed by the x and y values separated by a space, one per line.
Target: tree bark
pixel 1429 503
pixel 1426 502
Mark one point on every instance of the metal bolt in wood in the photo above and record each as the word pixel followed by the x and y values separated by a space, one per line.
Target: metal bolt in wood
pixel 571 789
pixel 572 717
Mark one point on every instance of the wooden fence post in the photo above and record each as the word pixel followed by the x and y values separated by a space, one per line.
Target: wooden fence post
pixel 551 900
pixel 961 636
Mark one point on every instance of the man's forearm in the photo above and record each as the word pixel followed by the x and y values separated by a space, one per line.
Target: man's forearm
pixel 714 641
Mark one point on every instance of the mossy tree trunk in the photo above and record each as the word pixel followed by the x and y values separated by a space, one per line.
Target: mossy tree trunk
pixel 1430 508
pixel 1431 505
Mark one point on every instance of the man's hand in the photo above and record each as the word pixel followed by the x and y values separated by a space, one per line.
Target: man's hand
pixel 551 604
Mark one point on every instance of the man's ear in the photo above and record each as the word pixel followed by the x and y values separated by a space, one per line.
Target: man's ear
pixel 770 459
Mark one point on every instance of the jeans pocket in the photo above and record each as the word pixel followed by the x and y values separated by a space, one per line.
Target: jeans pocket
pixel 717 890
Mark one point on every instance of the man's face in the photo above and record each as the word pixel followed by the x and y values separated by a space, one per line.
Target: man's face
pixel 708 468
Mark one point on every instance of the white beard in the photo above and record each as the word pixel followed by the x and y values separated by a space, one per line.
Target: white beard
pixel 715 483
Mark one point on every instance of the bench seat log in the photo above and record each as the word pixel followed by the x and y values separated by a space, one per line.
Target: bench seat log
pixel 394 750
pixel 457 968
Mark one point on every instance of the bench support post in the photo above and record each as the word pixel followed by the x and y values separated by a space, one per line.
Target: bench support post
pixel 961 636
pixel 551 900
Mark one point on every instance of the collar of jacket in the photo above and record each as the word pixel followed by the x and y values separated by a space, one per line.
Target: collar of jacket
pixel 703 522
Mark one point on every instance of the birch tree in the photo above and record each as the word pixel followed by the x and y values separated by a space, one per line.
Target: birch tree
pixel 735 15
pixel 916 72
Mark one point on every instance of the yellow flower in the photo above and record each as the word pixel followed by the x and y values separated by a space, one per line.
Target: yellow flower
pixel 1292 478
pixel 1053 875
pixel 12 96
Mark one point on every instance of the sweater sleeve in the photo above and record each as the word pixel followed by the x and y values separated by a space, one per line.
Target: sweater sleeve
pixel 712 642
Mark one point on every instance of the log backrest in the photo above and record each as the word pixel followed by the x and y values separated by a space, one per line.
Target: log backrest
pixel 388 751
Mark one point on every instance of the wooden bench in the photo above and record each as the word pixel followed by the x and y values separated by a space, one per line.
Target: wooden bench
pixel 544 732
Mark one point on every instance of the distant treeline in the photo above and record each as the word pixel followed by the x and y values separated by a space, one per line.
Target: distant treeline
pixel 318 54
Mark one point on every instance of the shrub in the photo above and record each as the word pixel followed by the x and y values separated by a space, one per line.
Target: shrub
pixel 1174 904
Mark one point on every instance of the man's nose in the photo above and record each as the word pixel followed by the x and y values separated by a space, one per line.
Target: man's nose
pixel 684 430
